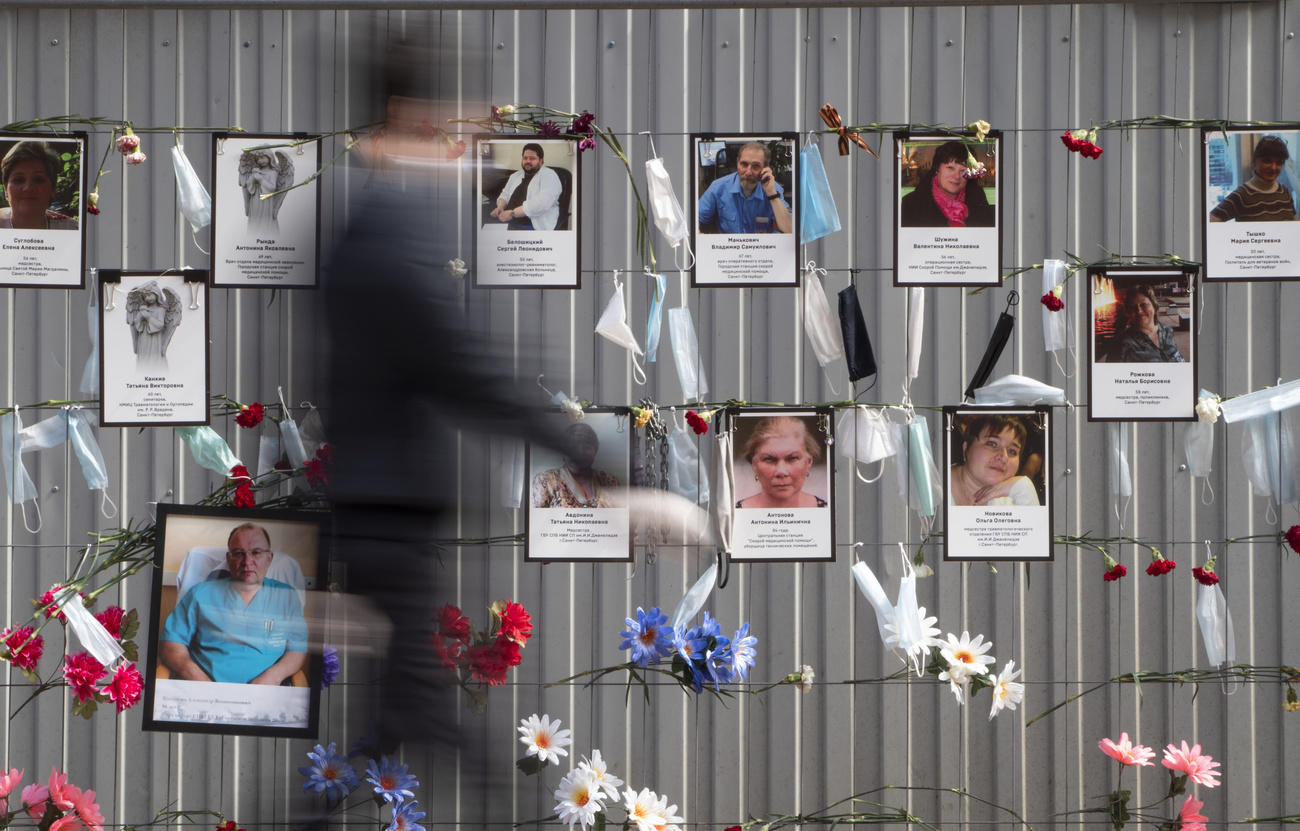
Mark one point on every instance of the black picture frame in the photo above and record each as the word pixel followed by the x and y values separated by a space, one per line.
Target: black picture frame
pixel 302 533
pixel 40 258
pixel 741 259
pixel 1150 389
pixel 561 532
pixel 266 243
pixel 515 258
pixel 924 244
pixel 759 529
pixel 1012 528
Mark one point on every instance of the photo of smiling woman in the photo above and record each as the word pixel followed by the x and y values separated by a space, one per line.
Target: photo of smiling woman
pixel 1250 205
pixel 997 461
pixel 782 475
pixel 41 200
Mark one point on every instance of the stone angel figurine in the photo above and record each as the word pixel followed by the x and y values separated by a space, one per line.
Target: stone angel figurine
pixel 261 172
pixel 153 313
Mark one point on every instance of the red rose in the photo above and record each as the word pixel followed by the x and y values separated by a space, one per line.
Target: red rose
pixel 1293 538
pixel 699 425
pixel 1052 302
pixel 1204 576
pixel 1115 573
pixel 250 416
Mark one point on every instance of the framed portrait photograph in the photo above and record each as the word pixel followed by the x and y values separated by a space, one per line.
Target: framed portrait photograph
pixel 526 228
pixel 783 470
pixel 745 189
pixel 153 357
pixel 265 211
pixel 1249 203
pixel 997 498
pixel 42 210
pixel 1142 353
pixel 576 508
pixel 947 210
pixel 238 598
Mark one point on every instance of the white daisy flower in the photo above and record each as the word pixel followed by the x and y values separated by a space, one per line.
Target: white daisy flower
pixel 1006 692
pixel 641 807
pixel 806 678
pixel 600 775
pixel 544 738
pixel 966 659
pixel 577 799
pixel 668 819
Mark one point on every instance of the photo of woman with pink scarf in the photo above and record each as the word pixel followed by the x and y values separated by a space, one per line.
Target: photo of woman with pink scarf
pixel 947 195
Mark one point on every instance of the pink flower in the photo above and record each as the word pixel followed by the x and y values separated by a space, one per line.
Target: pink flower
pixel 586 144
pixel 34 798
pixel 1127 753
pixel 138 157
pixel 23 657
pixel 111 618
pixel 1189 817
pixel 1198 766
pixel 124 690
pixel 82 672
pixel 46 602
pixel 128 143
pixel 251 415
pixel 60 796
pixel 8 781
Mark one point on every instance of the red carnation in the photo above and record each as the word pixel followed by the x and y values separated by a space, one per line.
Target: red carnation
pixel 228 825
pixel 1052 302
pixel 91 209
pixel 1070 141
pixel 1160 565
pixel 510 652
pixel 452 623
pixel 1205 576
pixel 23 654
pixel 111 618
pixel 1115 573
pixel 1293 538
pixel 47 603
pixel 698 424
pixel 516 624
pixel 250 415
pixel 244 497
pixel 449 653
pixel 487 665
pixel 82 671
pixel 239 472
pixel 125 688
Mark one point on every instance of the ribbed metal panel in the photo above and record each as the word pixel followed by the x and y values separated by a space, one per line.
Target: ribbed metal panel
pixel 1032 71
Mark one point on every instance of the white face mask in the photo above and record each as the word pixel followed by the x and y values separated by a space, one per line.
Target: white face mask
pixel 613 327
pixel 664 206
pixel 1215 623
pixel 819 321
pixel 510 469
pixel 686 477
pixel 686 354
pixel 1269 457
pixel 1018 389
pixel 863 434
pixel 721 507
pixel 194 201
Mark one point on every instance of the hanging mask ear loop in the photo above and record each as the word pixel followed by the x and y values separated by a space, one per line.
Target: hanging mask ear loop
pixel 857 470
pixel 1205 485
pixel 112 290
pixel 22 506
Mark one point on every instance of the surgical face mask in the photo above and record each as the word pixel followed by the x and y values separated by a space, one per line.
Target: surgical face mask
pixel 664 206
pixel 20 484
pixel 686 477
pixel 920 461
pixel 1017 389
pixel 821 326
pixel 857 341
pixel 194 201
pixel 86 447
pixel 1215 623
pixel 90 374
pixel 1269 456
pixel 817 214
pixel 686 354
pixel 654 322
pixel 864 435
pixel 1198 445
pixel 613 327
pixel 510 465
pixel 721 507
pixel 210 450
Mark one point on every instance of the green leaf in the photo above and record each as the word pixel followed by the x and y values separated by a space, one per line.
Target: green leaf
pixel 477 701
pixel 86 708
pixel 599 825
pixel 131 651
pixel 530 765
pixel 130 626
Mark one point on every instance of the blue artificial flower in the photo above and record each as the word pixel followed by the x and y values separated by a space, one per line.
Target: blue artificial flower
pixel 329 773
pixel 391 780
pixel 329 666
pixel 649 636
pixel 742 652
pixel 406 818
pixel 715 666
pixel 710 628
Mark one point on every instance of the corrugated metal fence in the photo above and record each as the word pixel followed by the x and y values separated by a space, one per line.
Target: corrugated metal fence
pixel 1032 71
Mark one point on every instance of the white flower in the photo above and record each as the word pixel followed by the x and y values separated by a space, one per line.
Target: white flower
pixel 1208 409
pixel 668 819
pixel 457 267
pixel 600 775
pixel 806 676
pixel 1006 692
pixel 572 409
pixel 577 799
pixel 508 109
pixel 641 809
pixel 924 633
pixel 138 157
pixel 544 738
pixel 966 659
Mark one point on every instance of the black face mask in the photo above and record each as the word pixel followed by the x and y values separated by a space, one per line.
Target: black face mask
pixel 857 342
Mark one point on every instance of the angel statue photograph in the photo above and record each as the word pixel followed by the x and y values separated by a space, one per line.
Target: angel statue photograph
pixel 263 172
pixel 152 313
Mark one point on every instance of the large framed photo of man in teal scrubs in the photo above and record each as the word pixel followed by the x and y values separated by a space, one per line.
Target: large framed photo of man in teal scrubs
pixel 233 648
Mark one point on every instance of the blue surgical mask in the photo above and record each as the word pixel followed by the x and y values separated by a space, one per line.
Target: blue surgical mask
pixel 817 214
